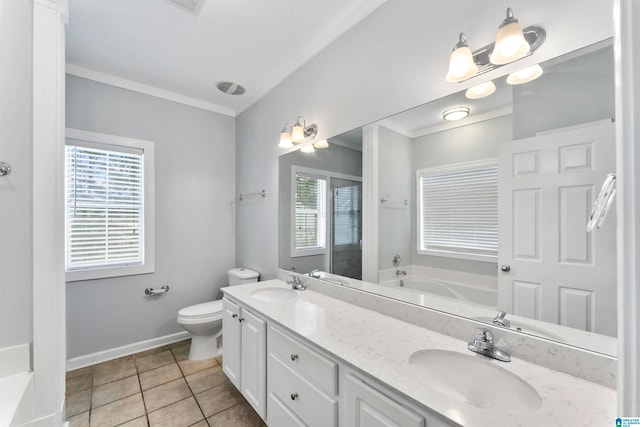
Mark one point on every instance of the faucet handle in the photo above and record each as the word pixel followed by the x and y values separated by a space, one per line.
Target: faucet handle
pixel 484 335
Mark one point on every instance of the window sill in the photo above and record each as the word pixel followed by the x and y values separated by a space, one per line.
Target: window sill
pixel 104 273
pixel 459 255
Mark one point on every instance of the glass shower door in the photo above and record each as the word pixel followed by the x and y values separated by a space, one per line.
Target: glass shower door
pixel 346 228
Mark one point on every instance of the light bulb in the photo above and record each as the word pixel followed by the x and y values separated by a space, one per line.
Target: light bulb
pixel 525 75
pixel 481 90
pixel 510 42
pixel 297 133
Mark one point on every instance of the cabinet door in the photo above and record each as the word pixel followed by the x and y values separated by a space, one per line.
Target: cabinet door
pixel 254 361
pixel 367 407
pixel 231 341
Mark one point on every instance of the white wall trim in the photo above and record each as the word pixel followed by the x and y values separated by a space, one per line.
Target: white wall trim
pixel 125 350
pixel 627 64
pixel 15 359
pixel 98 76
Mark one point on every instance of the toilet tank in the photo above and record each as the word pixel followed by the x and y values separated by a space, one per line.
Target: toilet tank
pixel 238 276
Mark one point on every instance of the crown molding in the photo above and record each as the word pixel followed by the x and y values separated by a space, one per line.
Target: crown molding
pixel 109 79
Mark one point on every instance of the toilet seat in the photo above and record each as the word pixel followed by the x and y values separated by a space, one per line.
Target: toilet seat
pixel 201 313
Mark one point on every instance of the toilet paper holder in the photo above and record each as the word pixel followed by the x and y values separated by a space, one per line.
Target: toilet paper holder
pixel 151 291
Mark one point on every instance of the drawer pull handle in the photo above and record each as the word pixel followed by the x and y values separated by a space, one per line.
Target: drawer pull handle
pixel 294 357
pixel 294 396
pixel 241 319
pixel 233 316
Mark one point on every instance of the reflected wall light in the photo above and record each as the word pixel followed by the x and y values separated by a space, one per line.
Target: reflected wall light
pixel 480 91
pixel 461 64
pixel 321 144
pixel 455 113
pixel 525 75
pixel 510 43
pixel 285 137
pixel 307 149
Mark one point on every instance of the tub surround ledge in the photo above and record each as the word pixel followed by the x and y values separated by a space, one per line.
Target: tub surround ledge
pixel 380 346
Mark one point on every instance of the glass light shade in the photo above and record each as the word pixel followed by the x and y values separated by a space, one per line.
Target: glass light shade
pixel 321 144
pixel 481 90
pixel 285 140
pixel 510 44
pixel 525 75
pixel 461 65
pixel 307 149
pixel 456 113
pixel 297 133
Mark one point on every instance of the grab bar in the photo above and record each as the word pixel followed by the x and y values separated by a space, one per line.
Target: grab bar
pixel 602 204
pixel 5 169
pixel 151 291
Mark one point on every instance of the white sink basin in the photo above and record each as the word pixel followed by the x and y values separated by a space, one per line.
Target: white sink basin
pixel 274 294
pixel 527 328
pixel 475 380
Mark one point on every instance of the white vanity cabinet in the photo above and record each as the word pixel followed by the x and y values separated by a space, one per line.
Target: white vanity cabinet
pixel 244 353
pixel 365 402
pixel 302 383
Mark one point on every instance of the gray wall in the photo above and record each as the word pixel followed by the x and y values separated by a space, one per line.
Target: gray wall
pixel 393 60
pixel 195 190
pixel 333 159
pixel 16 191
pixel 395 183
pixel 477 141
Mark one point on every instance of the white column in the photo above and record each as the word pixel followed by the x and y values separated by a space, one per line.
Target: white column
pixel 627 61
pixel 49 342
pixel 370 203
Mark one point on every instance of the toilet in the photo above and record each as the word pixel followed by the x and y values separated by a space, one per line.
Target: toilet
pixel 204 321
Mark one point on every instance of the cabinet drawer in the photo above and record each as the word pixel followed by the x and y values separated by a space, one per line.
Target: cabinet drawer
pixel 323 371
pixel 303 398
pixel 281 416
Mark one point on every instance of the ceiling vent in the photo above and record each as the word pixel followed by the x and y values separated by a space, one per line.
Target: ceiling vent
pixel 192 6
pixel 230 88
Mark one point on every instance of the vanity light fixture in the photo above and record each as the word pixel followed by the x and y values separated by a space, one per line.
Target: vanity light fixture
pixel 480 91
pixel 455 113
pixel 285 138
pixel 301 131
pixel 461 63
pixel 307 149
pixel 510 43
pixel 525 75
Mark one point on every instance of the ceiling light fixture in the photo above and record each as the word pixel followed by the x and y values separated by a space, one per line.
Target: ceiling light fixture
pixel 455 113
pixel 480 91
pixel 512 43
pixel 461 64
pixel 525 75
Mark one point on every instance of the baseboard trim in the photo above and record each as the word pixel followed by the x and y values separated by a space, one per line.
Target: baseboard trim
pixel 15 359
pixel 125 350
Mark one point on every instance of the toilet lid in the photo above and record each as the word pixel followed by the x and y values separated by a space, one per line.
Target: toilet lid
pixel 204 309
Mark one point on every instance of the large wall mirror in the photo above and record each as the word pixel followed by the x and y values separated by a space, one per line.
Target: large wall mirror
pixel 479 215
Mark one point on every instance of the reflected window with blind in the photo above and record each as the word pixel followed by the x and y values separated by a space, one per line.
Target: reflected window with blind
pixel 458 211
pixel 310 215
pixel 106 209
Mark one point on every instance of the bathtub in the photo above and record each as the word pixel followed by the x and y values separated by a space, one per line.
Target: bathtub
pixel 458 291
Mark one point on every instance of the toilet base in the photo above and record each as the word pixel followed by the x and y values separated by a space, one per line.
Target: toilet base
pixel 204 347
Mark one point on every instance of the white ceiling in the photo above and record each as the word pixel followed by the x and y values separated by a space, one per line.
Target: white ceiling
pixel 160 45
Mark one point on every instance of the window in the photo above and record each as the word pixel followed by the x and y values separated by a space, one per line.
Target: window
pixel 458 211
pixel 108 206
pixel 310 215
pixel 346 215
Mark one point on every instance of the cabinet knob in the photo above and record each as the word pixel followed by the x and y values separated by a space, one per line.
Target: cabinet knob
pixel 506 268
pixel 233 316
pixel 294 357
pixel 294 396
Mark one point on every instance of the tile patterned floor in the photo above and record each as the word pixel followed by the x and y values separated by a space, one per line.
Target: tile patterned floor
pixel 158 387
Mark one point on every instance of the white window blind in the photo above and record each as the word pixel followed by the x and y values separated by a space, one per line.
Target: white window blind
pixel 459 210
pixel 310 212
pixel 104 207
pixel 346 218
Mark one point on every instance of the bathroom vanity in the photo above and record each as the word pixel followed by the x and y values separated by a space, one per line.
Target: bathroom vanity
pixel 305 358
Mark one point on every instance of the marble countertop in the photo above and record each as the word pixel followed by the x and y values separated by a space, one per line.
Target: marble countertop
pixel 381 346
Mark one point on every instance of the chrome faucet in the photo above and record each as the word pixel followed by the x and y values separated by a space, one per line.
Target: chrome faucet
pixel 483 344
pixel 296 283
pixel 500 319
pixel 314 273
